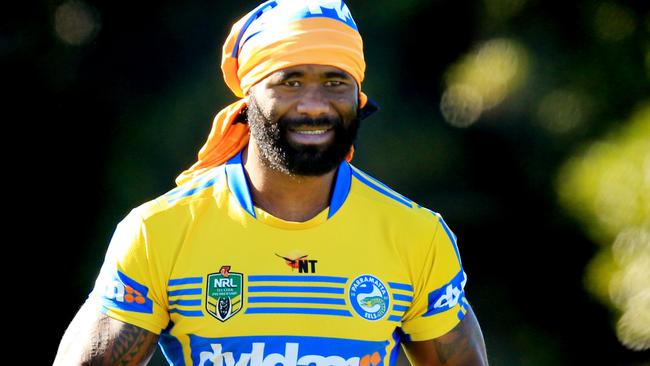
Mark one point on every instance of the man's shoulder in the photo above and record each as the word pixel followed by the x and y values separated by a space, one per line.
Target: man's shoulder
pixel 183 199
pixel 379 197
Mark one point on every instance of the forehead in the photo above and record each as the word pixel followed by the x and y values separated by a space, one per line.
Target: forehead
pixel 309 70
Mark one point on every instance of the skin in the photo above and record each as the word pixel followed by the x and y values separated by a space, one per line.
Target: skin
pixel 98 340
pixel 463 345
pixel 306 90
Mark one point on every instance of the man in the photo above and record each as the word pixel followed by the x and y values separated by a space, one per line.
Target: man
pixel 274 249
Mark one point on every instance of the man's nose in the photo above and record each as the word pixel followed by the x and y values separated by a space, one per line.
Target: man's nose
pixel 314 103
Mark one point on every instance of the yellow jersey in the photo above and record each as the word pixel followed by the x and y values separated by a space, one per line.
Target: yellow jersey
pixel 225 283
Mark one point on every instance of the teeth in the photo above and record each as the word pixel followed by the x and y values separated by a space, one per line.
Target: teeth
pixel 313 132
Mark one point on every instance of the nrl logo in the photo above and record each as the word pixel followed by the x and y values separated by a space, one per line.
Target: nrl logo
pixel 224 297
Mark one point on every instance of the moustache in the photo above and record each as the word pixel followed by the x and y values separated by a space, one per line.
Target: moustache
pixel 325 122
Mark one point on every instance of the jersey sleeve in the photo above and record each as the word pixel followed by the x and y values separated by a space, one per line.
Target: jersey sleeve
pixel 439 302
pixel 126 287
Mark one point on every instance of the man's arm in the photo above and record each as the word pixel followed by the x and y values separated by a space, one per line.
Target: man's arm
pixel 463 345
pixel 96 339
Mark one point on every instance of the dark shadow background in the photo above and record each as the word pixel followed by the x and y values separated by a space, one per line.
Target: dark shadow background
pixel 108 124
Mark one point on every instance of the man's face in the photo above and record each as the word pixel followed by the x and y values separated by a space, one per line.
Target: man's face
pixel 304 118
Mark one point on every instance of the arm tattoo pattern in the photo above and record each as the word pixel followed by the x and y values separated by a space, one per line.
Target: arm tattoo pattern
pixel 456 342
pixel 122 344
pixel 133 345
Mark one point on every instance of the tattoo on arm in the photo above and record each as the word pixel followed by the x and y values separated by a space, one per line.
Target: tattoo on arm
pixel 131 346
pixel 458 342
pixel 98 340
pixel 463 345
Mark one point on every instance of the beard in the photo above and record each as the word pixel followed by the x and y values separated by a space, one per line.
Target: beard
pixel 306 160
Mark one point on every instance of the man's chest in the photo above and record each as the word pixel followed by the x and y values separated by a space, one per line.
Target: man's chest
pixel 236 282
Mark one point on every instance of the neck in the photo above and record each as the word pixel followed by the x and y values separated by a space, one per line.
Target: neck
pixel 288 197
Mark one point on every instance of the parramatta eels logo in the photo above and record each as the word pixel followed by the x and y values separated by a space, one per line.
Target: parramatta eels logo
pixel 225 293
pixel 369 297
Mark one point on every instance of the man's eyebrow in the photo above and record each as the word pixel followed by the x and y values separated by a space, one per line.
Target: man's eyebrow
pixel 284 75
pixel 337 75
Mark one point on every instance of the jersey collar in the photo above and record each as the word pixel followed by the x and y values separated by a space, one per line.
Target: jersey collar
pixel 238 185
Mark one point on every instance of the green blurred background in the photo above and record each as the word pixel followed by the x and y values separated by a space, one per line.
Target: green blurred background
pixel 526 123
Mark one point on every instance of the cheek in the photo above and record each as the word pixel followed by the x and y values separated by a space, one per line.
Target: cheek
pixel 274 104
pixel 347 106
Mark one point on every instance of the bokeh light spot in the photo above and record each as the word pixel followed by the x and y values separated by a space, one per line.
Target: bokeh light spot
pixel 633 328
pixel 461 105
pixel 76 23
pixel 613 22
pixel 562 111
pixel 487 75
pixel 607 187
pixel 503 9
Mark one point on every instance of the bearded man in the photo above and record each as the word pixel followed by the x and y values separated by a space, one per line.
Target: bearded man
pixel 273 248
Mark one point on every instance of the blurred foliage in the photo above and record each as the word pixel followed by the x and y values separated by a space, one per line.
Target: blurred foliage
pixel 608 188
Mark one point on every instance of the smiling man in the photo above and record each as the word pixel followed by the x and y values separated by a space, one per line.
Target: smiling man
pixel 274 249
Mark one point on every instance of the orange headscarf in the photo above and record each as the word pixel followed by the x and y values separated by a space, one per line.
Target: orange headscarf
pixel 276 35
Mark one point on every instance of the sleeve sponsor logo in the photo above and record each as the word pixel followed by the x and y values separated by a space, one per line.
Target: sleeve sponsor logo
pixel 448 296
pixel 119 291
pixel 285 351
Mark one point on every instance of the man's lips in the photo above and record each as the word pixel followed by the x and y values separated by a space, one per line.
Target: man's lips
pixel 310 135
pixel 308 129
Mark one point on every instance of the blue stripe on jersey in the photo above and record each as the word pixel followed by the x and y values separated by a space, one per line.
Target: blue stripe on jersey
pixel 450 234
pixel 185 281
pixel 279 278
pixel 387 188
pixel 187 291
pixel 186 302
pixel 190 313
pixel 401 308
pixel 191 191
pixel 341 188
pixel 298 300
pixel 400 286
pixel 191 183
pixel 395 318
pixel 237 183
pixel 398 334
pixel 452 238
pixel 317 289
pixel 315 311
pixel 461 314
pixel 400 297
pixel 377 187
pixel 171 347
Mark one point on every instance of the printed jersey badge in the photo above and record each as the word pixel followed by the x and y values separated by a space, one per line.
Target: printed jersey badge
pixel 369 297
pixel 225 294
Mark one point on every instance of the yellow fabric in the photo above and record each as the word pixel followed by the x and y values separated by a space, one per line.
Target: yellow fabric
pixel 322 41
pixel 170 248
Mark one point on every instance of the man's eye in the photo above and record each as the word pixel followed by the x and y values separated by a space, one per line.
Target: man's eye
pixel 334 83
pixel 292 83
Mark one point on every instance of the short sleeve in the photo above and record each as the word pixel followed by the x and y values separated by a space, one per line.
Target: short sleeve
pixel 125 288
pixel 439 302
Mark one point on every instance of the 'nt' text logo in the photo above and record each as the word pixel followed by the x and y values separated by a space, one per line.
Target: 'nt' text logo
pixel 304 265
